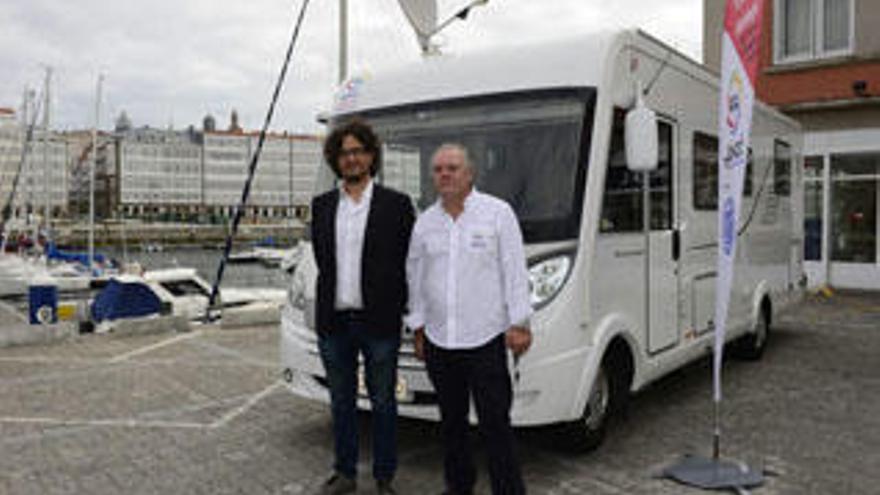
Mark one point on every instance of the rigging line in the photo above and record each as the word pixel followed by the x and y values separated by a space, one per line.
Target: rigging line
pixel 29 135
pixel 252 168
pixel 757 198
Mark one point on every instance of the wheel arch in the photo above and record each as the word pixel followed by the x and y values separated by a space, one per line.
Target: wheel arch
pixel 613 337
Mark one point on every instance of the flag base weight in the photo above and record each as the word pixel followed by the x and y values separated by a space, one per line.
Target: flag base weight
pixel 713 474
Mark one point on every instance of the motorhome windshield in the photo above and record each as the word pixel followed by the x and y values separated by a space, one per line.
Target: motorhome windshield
pixel 529 149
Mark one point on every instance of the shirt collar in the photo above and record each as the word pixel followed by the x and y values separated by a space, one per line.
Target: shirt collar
pixel 366 196
pixel 470 198
pixel 469 201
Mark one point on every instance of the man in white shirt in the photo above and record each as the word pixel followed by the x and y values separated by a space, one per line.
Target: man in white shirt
pixel 469 302
pixel 360 235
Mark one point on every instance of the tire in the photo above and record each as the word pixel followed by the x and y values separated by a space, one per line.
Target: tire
pixel 751 346
pixel 607 398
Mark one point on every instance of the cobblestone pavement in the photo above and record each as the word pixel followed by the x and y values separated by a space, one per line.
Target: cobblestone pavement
pixel 204 413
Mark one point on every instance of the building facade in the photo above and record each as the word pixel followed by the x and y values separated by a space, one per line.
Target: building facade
pixel 307 157
pixel 43 182
pixel 10 154
pixel 160 173
pixel 820 64
pixel 46 177
pixel 189 175
pixel 155 174
pixel 81 157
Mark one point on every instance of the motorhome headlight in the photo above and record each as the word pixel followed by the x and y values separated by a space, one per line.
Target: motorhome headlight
pixel 296 293
pixel 546 278
pixel 296 298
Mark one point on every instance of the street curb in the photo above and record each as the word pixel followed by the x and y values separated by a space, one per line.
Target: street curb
pixel 24 334
pixel 252 315
pixel 151 325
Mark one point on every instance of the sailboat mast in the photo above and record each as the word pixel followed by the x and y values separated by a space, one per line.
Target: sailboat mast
pixel 47 191
pixel 92 165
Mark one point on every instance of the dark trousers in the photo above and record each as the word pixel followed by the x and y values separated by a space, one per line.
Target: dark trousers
pixel 482 373
pixel 339 354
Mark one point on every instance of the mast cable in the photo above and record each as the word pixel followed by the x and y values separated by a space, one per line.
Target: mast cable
pixel 252 168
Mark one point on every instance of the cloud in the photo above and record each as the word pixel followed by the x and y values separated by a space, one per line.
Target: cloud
pixel 173 61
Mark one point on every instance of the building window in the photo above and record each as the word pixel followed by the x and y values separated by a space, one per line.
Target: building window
pixel 812 29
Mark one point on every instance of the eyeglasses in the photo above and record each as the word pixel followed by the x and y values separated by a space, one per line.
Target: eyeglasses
pixel 353 152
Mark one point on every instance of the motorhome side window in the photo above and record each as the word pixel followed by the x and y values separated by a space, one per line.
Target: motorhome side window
pixel 750 166
pixel 622 204
pixel 705 172
pixel 781 168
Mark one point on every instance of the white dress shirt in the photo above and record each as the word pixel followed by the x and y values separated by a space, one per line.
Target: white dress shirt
pixel 467 277
pixel 351 224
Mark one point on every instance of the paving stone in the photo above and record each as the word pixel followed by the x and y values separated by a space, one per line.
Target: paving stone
pixel 149 423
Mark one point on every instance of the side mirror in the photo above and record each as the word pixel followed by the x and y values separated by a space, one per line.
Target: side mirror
pixel 641 137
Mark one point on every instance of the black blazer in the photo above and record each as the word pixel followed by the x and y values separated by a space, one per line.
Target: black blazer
pixel 383 261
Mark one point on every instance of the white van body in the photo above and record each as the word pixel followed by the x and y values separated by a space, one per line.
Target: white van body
pixel 618 305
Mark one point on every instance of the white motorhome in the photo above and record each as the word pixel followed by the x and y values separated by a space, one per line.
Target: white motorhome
pixel 622 262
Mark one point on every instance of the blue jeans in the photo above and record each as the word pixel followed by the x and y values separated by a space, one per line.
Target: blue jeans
pixel 339 354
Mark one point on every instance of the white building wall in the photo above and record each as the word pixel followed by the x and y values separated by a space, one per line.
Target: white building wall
pixel 225 168
pixel 307 158
pixel 10 154
pixel 270 188
pixel 162 171
pixel 45 177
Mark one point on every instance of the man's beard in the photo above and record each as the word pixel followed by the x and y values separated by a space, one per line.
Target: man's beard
pixel 354 178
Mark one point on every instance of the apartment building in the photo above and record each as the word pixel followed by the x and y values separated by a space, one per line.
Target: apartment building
pixel 182 174
pixel 270 191
pixel 43 182
pixel 307 157
pixel 820 64
pixel 160 172
pixel 10 153
pixel 81 158
pixel 45 176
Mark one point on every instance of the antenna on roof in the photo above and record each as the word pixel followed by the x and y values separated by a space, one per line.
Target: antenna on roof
pixel 422 15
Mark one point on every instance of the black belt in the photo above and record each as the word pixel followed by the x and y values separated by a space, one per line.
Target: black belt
pixel 351 314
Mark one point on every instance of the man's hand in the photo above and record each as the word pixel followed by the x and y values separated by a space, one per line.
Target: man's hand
pixel 419 342
pixel 518 340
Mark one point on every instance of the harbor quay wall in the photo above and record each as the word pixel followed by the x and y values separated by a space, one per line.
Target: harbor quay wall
pixel 209 235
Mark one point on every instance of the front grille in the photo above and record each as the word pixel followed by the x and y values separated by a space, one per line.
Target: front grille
pixel 419 398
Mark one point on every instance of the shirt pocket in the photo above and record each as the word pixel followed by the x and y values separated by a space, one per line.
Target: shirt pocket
pixel 481 241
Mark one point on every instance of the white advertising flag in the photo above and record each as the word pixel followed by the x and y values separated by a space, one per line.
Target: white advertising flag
pixel 739 67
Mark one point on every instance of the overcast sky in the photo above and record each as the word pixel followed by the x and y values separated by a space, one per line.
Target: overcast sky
pixel 170 62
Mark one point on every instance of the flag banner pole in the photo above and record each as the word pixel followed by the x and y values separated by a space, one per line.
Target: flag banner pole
pixel 739 66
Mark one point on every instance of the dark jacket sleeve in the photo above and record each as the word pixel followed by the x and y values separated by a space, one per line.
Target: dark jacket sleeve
pixel 408 219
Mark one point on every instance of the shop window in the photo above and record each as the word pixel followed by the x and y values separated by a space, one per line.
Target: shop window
pixel 813 166
pixel 813 204
pixel 854 198
pixel 813 197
